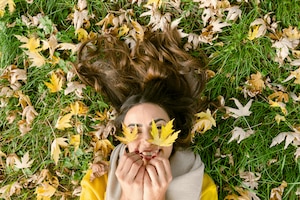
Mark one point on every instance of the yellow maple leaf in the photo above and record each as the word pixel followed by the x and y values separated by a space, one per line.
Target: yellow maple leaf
pixel 55 148
pixel 55 84
pixel 204 122
pixel 4 3
pixel 139 31
pixel 75 141
pixel 104 146
pixel 63 122
pixel 253 32
pixel 45 191
pixel 281 105
pixel 166 137
pixel 123 30
pixel 79 108
pixel 156 3
pixel 129 135
pixel 82 35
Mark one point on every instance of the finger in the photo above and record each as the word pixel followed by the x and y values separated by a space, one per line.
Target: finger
pixel 167 166
pixel 126 161
pixel 153 176
pixel 139 179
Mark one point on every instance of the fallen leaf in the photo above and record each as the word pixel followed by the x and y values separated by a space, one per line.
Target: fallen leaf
pixel 4 3
pixel 256 84
pixel 55 148
pixel 75 87
pixel 297 153
pixel 24 163
pixel 55 84
pixel 128 133
pixel 156 3
pixel 204 122
pixel 279 96
pixel 165 137
pixel 8 190
pixel 36 59
pixel 63 122
pixel 45 191
pixel 295 74
pixel 75 141
pixel 239 134
pixel 282 106
pixel 279 118
pixel 289 137
pixel 241 111
pixel 104 146
pixel 29 114
pixel 79 108
pixel 250 179
pixel 276 193
pixel 32 43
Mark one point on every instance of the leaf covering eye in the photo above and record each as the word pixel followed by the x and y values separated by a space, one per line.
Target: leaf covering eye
pixel 129 134
pixel 166 136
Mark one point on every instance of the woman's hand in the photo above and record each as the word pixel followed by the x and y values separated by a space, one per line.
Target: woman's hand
pixel 157 179
pixel 130 173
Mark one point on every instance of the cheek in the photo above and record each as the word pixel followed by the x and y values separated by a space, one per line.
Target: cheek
pixel 167 152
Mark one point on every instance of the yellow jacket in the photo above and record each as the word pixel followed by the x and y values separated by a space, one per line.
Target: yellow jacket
pixel 96 190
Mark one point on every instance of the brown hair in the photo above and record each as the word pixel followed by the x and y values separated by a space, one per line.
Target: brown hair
pixel 156 70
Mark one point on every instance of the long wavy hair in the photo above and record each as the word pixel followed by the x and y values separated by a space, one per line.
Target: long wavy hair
pixel 156 70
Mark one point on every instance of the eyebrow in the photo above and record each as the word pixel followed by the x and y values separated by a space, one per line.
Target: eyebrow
pixel 140 125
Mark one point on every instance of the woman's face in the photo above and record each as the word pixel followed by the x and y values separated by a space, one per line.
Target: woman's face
pixel 141 116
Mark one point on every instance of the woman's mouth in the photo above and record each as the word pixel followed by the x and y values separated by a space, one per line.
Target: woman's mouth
pixel 148 155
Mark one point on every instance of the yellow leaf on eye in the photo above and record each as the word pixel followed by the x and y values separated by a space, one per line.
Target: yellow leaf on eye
pixel 82 34
pixel 129 135
pixel 55 148
pixel 63 122
pixel 55 84
pixel 166 137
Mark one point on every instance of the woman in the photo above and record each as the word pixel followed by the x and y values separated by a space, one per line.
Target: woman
pixel 154 81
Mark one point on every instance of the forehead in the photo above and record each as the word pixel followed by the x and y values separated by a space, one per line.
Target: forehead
pixel 144 113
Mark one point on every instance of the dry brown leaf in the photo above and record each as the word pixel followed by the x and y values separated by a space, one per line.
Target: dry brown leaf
pixel 279 97
pixel 80 15
pixel 276 193
pixel 24 127
pixel 75 87
pixel 255 84
pixel 29 114
pixel 250 179
pixel 8 190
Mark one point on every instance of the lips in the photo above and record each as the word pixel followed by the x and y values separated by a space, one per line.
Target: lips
pixel 148 155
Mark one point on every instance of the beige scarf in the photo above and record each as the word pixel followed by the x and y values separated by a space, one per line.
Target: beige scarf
pixel 187 172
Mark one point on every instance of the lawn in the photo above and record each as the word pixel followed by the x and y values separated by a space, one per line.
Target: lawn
pixel 53 127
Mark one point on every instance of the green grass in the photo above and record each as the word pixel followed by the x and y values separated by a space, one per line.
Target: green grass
pixel 233 57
